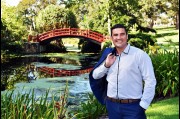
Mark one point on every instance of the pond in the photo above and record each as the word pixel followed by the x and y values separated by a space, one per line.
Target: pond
pixel 14 75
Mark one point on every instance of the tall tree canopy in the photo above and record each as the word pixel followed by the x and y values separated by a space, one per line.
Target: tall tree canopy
pixel 55 16
pixel 97 15
pixel 16 30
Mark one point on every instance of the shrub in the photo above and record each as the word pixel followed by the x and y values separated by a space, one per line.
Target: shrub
pixel 166 68
pixel 106 44
pixel 91 109
pixel 26 106
pixel 141 40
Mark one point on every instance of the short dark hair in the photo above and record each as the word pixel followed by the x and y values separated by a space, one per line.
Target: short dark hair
pixel 118 26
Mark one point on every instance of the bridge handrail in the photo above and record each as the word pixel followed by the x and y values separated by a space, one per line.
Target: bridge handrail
pixel 69 31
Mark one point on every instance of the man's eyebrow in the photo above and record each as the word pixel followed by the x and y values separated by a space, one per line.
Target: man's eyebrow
pixel 123 33
pixel 115 34
pixel 118 33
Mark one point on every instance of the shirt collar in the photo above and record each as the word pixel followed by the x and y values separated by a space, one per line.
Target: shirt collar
pixel 126 50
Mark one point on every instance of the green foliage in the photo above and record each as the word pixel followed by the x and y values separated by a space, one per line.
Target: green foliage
pixel 173 11
pixel 26 106
pixel 10 77
pixel 13 33
pixel 12 48
pixel 53 47
pixel 137 42
pixel 91 109
pixel 31 17
pixel 141 40
pixel 60 108
pixel 166 67
pixel 54 17
pixel 150 10
pixel 106 44
pixel 14 28
pixel 71 18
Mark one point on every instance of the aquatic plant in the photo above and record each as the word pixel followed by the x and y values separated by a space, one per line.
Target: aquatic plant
pixel 26 106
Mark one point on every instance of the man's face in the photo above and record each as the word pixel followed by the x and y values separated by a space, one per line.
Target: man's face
pixel 119 38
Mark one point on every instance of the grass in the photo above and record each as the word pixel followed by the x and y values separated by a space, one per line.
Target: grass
pixel 165 109
pixel 168 33
pixel 167 37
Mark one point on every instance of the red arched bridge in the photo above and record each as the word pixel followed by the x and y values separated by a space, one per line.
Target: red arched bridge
pixel 65 32
pixel 61 72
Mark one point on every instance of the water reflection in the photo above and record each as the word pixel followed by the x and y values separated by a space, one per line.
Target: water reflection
pixel 14 74
pixel 31 73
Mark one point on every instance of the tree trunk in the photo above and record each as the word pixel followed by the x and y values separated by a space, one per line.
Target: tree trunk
pixel 109 18
pixel 177 20
pixel 151 23
pixel 109 26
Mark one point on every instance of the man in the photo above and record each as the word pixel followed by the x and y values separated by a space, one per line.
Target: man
pixel 130 85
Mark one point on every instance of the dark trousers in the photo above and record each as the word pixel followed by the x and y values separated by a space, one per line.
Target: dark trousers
pixel 125 111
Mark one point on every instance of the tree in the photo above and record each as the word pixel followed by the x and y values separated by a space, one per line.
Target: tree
pixel 99 15
pixel 152 9
pixel 90 14
pixel 13 25
pixel 29 9
pixel 173 11
pixel 55 16
pixel 26 13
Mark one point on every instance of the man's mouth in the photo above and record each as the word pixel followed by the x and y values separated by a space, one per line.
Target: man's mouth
pixel 119 41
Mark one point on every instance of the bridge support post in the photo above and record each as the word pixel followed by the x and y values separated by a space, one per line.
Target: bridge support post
pixel 42 48
pixel 31 47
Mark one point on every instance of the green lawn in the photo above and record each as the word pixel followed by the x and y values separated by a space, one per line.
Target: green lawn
pixel 167 37
pixel 166 34
pixel 165 109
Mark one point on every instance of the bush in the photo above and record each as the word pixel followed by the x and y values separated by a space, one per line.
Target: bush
pixel 141 40
pixel 166 68
pixel 26 106
pixel 91 109
pixel 107 43
pixel 137 42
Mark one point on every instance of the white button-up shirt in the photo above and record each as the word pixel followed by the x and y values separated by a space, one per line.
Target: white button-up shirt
pixel 125 77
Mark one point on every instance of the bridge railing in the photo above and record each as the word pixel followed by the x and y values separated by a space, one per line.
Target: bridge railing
pixel 69 31
pixel 95 35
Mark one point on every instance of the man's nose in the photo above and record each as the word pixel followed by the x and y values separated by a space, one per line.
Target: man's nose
pixel 118 36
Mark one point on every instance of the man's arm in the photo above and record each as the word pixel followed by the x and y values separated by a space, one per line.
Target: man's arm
pixel 100 71
pixel 147 70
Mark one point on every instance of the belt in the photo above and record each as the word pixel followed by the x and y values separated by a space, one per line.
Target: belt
pixel 123 100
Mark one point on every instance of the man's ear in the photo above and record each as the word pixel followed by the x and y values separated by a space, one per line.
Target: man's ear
pixel 111 37
pixel 112 44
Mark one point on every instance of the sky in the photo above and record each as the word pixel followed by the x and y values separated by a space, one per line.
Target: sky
pixel 12 2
